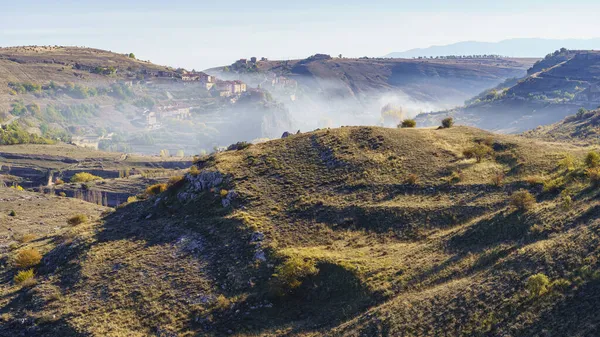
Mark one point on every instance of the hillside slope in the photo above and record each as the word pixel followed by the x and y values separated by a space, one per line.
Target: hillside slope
pixel 103 99
pixel 352 91
pixel 584 127
pixel 555 87
pixel 357 231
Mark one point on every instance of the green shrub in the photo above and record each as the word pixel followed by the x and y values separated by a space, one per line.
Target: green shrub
pixel 24 277
pixel 522 200
pixel 553 185
pixel 560 284
pixel 84 177
pixel 447 122
pixel 12 213
pixel 566 202
pixel 408 123
pixel 592 159
pixel 77 219
pixel 27 258
pixel 478 151
pixel 291 273
pixel 537 285
pixel 567 163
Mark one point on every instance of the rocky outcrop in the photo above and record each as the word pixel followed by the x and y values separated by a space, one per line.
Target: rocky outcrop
pixel 204 181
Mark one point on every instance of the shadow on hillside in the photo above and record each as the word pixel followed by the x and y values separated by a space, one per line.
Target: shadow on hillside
pixel 573 315
pixel 504 227
pixel 405 222
pixel 326 299
pixel 411 189
pixel 24 319
pixel 64 261
pixel 228 260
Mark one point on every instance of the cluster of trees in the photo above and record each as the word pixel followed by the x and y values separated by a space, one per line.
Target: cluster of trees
pixel 55 114
pixel 110 70
pixel 560 51
pixel 15 134
pixel 145 102
pixel 22 88
pixel 79 91
pixel 121 91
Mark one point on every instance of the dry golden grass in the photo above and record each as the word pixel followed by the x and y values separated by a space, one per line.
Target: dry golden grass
pixel 372 250
pixel 27 258
pixel 77 219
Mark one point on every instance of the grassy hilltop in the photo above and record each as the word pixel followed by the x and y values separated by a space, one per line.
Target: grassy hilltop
pixel 357 231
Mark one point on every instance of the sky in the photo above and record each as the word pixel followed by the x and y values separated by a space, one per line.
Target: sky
pixel 198 34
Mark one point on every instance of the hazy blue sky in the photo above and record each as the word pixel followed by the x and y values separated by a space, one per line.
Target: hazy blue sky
pixel 200 34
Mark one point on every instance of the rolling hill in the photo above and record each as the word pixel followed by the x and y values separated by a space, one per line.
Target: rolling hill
pixel 356 231
pixel 555 87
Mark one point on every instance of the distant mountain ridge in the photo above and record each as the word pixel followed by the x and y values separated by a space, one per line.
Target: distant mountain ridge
pixel 523 47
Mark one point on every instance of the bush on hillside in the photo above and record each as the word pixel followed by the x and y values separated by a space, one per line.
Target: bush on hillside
pixel 560 284
pixel 592 159
pixel 537 285
pixel 411 179
pixel 27 258
pixel 156 189
pixel 27 238
pixel 194 170
pixel 594 175
pixel 447 122
pixel 554 185
pixel 291 273
pixel 24 277
pixel 522 200
pixel 478 151
pixel 408 123
pixel 77 219
pixel 84 177
pixel 567 163
pixel 535 180
pixel 238 146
